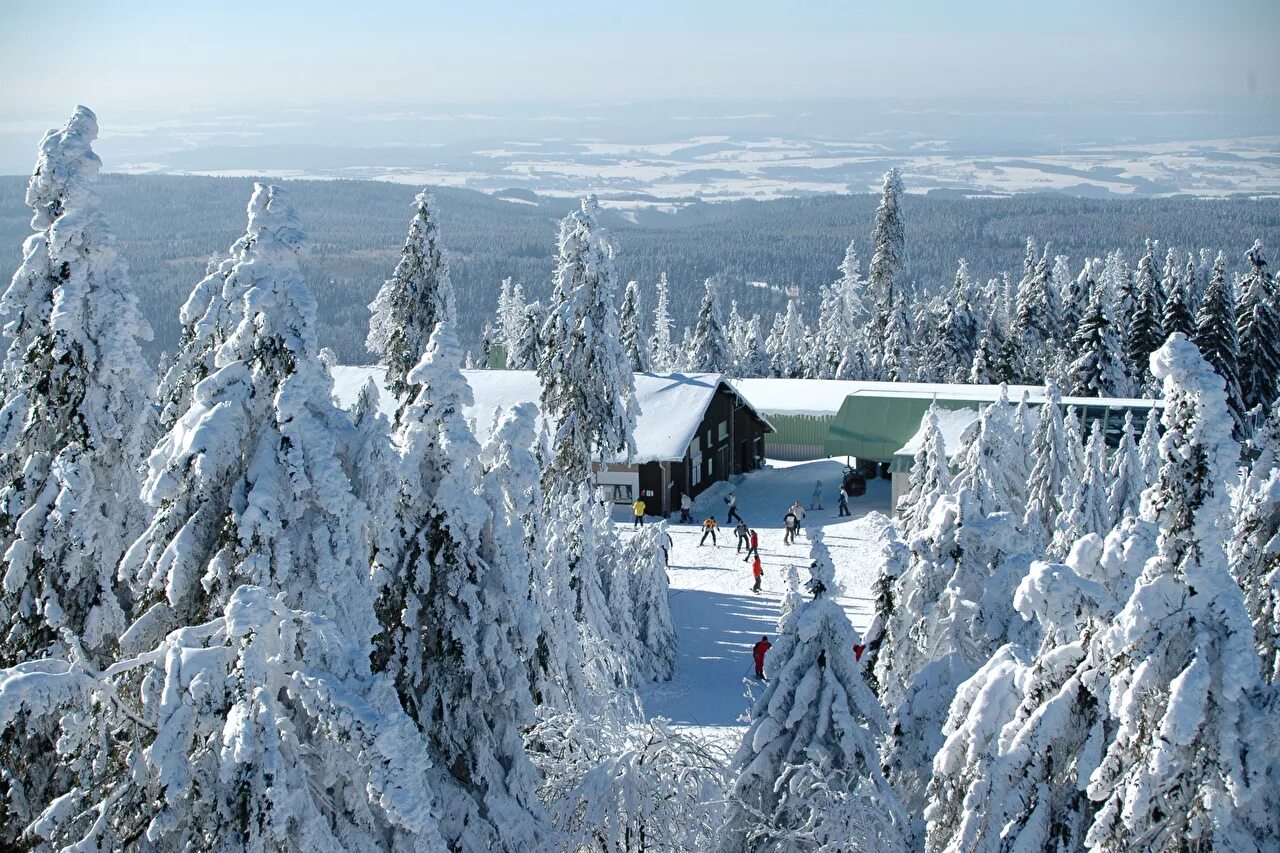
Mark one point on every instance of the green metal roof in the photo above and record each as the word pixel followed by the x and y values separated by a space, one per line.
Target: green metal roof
pixel 874 427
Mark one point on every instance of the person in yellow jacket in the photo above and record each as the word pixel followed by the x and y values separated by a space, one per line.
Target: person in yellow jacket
pixel 708 529
pixel 638 509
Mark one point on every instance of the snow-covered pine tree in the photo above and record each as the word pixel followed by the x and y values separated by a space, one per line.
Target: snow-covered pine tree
pixel 1117 277
pixel 646 557
pixel 755 359
pixel 1098 369
pixel 410 303
pixel 1177 316
pixel 1124 495
pixel 1258 332
pixel 1088 510
pixel 375 479
pixel 895 556
pixel 833 333
pixel 985 367
pixel 1180 770
pixel 454 622
pixel 1216 336
pixel 1051 471
pixel 629 324
pixel 1078 291
pixel 528 345
pixel 661 348
pixel 788 343
pixel 958 329
pixel 930 479
pixel 77 403
pixel 709 352
pixel 588 390
pixel 256 721
pixel 898 361
pixel 1037 321
pixel 816 719
pixel 1144 332
pixel 1149 447
pixel 852 289
pixel 1255 547
pixel 510 319
pixel 888 246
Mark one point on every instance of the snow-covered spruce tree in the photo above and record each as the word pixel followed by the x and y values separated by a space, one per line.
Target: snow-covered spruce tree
pixel 1124 495
pixel 77 403
pixel 709 352
pixel 645 559
pixel 528 345
pixel 1149 447
pixel 208 317
pixel 1177 316
pixel 1098 369
pixel 832 333
pixel 999 484
pixel 1258 332
pixel 852 289
pixel 375 478
pixel 455 623
pixel 888 246
pixel 755 357
pixel 898 363
pixel 930 479
pixel 661 348
pixel 1181 769
pixel 815 719
pixel 588 390
pixel 1089 509
pixel 1215 335
pixel 788 343
pixel 256 721
pixel 1075 297
pixel 985 369
pixel 1144 332
pixel 1037 320
pixel 410 303
pixel 1255 547
pixel 1051 472
pixel 895 556
pixel 629 323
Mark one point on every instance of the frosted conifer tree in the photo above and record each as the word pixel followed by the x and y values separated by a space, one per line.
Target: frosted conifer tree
pixel 1124 495
pixel 888 242
pixel 755 358
pixel 832 333
pixel 788 343
pixel 77 403
pixel 709 352
pixel 852 290
pixel 660 345
pixel 1089 510
pixel 1051 472
pixel 1215 335
pixel 897 360
pixel 1258 332
pixel 528 345
pixel 1180 770
pixel 410 303
pixel 454 621
pixel 257 721
pixel 1098 369
pixel 1149 447
pixel 629 323
pixel 930 478
pixel 646 558
pixel 375 478
pixel 816 717
pixel 1255 547
pixel 1144 332
pixel 984 369
pixel 1037 321
pixel 1177 316
pixel 588 391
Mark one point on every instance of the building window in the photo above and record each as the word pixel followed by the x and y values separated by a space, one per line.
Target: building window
pixel 620 493
pixel 724 430
pixel 709 468
pixel 696 469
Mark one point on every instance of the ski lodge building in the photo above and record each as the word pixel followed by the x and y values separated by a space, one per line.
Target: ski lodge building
pixel 693 429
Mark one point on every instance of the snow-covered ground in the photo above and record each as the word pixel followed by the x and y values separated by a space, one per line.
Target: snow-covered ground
pixel 717 616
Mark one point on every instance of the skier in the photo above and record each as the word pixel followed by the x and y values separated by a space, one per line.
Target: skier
pixel 842 503
pixel 790 522
pixel 753 546
pixel 757 572
pixel 815 502
pixel 667 545
pixel 797 509
pixel 686 506
pixel 732 501
pixel 708 529
pixel 638 509
pixel 758 652
pixel 743 537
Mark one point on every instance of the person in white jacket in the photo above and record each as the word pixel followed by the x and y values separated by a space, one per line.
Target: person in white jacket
pixel 798 509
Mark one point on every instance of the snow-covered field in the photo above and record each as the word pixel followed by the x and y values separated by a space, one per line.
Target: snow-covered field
pixel 717 616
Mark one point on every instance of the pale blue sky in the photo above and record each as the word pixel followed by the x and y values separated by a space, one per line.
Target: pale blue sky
pixel 161 57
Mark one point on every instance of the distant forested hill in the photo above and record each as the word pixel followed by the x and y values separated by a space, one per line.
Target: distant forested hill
pixel 170 225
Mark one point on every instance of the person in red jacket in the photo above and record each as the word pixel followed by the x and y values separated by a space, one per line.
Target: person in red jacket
pixel 757 570
pixel 758 652
pixel 754 540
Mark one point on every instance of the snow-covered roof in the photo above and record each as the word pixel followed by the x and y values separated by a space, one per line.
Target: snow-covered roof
pixel 671 405
pixel 824 397
pixel 951 423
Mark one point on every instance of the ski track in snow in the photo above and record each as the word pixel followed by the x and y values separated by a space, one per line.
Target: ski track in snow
pixel 718 618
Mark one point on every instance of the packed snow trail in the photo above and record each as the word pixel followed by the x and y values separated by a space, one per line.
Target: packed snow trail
pixel 718 618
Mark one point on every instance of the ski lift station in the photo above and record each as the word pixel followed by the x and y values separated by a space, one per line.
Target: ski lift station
pixel 880 422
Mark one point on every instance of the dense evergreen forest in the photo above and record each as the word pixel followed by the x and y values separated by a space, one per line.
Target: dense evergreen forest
pixel 170 226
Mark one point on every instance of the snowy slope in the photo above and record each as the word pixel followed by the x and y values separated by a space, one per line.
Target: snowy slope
pixel 717 616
